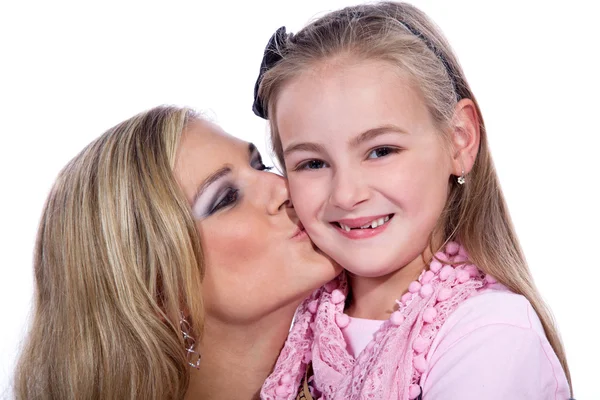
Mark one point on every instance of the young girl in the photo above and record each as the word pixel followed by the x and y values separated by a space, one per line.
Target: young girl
pixel 389 170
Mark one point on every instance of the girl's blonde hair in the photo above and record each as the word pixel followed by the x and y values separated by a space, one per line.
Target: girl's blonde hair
pixel 117 260
pixel 402 35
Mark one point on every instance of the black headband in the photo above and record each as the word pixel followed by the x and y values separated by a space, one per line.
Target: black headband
pixel 276 46
pixel 271 57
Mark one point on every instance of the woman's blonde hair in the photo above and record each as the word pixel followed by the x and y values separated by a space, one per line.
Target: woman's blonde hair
pixel 117 260
pixel 402 35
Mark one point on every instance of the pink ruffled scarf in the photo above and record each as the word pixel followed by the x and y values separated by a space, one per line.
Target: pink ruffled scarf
pixel 391 365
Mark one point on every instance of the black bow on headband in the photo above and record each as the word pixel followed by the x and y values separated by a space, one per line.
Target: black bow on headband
pixel 273 54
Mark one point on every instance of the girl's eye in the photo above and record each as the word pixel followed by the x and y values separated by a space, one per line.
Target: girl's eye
pixel 311 164
pixel 381 152
pixel 230 197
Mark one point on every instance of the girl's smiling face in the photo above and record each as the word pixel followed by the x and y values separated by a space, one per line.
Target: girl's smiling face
pixel 368 168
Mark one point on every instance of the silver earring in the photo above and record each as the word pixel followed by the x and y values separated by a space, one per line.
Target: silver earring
pixel 461 178
pixel 189 342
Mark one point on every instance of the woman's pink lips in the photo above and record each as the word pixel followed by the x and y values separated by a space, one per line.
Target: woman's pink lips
pixel 300 233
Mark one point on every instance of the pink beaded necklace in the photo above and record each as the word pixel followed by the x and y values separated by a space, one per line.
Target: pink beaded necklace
pixel 391 365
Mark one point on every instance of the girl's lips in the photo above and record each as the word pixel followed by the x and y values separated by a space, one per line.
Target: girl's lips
pixel 358 222
pixel 363 233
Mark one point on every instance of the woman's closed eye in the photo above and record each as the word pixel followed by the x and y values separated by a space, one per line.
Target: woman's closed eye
pixel 262 167
pixel 256 160
pixel 229 197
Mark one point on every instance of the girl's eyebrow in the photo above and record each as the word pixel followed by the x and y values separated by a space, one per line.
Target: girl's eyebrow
pixel 306 146
pixel 354 142
pixel 373 133
pixel 215 176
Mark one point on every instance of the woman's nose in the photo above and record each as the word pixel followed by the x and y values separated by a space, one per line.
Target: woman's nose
pixel 279 197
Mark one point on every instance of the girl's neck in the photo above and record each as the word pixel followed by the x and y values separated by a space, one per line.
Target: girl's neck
pixel 236 359
pixel 375 298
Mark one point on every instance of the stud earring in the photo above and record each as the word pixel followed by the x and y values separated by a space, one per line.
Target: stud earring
pixel 189 342
pixel 461 178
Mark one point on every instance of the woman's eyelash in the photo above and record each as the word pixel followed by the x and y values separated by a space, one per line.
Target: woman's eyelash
pixel 231 196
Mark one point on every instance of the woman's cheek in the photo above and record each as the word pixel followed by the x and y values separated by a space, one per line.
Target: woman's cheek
pixel 233 247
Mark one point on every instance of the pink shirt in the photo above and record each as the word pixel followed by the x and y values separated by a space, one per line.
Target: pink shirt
pixel 491 347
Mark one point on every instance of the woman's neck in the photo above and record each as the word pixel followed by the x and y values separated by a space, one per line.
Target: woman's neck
pixel 375 298
pixel 236 359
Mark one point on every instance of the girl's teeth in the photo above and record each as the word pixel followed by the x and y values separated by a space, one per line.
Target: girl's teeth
pixel 373 224
pixel 344 227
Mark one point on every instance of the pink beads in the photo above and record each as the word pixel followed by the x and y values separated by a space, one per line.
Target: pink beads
pixel 405 298
pixel 452 248
pixel 435 265
pixel 337 296
pixel 342 320
pixel 414 391
pixel 429 315
pixel 446 271
pixel 286 378
pixel 426 290
pixel 462 276
pixel 427 277
pixel 397 318
pixel 420 363
pixel 460 258
pixel 472 270
pixel 414 287
pixel 420 345
pixel 440 255
pixel 312 306
pixel 444 294
pixel 490 279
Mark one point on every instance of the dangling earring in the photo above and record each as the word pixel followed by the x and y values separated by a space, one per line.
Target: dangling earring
pixel 461 178
pixel 189 343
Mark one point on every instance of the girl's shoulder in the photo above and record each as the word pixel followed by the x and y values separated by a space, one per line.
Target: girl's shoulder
pixel 492 306
pixel 496 339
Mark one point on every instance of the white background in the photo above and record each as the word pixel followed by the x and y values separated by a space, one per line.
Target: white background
pixel 69 71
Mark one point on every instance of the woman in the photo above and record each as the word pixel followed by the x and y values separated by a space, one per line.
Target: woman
pixel 163 232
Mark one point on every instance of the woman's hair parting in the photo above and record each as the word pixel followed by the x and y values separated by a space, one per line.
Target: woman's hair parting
pixel 398 33
pixel 117 262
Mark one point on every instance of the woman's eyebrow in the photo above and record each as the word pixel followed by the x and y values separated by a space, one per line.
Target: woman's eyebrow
pixel 215 176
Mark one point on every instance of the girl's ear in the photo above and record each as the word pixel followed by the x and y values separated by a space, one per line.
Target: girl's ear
pixel 465 136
